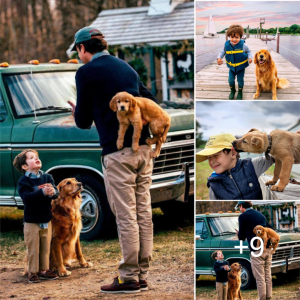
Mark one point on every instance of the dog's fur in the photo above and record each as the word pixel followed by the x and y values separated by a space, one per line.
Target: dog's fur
pixel 131 110
pixel 234 282
pixel 66 227
pixel 266 75
pixel 265 234
pixel 285 149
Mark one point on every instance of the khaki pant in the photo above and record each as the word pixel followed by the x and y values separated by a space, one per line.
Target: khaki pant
pixel 38 242
pixel 261 269
pixel 127 177
pixel 222 290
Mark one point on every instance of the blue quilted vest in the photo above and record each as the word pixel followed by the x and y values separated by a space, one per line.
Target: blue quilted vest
pixel 240 184
pixel 236 59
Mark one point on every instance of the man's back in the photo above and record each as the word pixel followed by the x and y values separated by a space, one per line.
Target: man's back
pixel 97 83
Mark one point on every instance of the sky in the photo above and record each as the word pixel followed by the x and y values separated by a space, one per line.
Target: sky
pixel 226 13
pixel 238 117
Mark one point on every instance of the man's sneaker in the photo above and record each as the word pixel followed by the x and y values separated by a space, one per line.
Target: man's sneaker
pixel 33 278
pixel 48 275
pixel 144 285
pixel 118 286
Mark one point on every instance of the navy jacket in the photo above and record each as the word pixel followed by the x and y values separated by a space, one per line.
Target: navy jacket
pixel 221 273
pixel 247 222
pixel 243 185
pixel 37 206
pixel 235 55
pixel 97 83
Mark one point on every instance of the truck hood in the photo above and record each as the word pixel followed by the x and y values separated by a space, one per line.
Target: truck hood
pixel 62 129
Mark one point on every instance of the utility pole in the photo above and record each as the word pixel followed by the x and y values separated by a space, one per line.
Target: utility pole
pixel 262 21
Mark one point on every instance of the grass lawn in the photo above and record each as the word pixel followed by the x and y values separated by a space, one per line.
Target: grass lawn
pixel 203 171
pixel 206 289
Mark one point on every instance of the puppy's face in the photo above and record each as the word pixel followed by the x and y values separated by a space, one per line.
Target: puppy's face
pixel 262 57
pixel 259 230
pixel 123 102
pixel 69 187
pixel 252 142
pixel 236 267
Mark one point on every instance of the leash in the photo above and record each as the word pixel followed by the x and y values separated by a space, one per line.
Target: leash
pixel 269 147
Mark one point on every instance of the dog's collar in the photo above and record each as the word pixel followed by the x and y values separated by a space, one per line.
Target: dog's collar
pixel 269 147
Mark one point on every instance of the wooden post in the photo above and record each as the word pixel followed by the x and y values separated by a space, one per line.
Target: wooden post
pixel 278 42
pixel 167 73
pixel 266 37
pixel 260 32
pixel 152 71
pixel 226 35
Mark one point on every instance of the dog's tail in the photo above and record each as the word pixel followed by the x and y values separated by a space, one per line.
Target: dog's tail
pixel 164 135
pixel 283 83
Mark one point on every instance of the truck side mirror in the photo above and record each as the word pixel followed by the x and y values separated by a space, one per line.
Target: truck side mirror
pixel 198 237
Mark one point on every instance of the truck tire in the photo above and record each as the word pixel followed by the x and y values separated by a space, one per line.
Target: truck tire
pixel 247 277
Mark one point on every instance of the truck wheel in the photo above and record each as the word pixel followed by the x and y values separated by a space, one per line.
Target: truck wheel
pixel 247 277
pixel 97 218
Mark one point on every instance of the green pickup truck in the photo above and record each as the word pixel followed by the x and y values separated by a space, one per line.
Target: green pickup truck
pixel 217 232
pixel 34 113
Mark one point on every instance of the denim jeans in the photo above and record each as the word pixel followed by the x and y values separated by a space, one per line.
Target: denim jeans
pixel 240 77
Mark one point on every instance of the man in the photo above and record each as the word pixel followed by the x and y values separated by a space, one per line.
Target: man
pixel 127 174
pixel 261 266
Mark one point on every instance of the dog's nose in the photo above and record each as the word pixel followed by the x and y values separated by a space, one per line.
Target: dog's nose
pixel 79 184
pixel 122 107
pixel 261 56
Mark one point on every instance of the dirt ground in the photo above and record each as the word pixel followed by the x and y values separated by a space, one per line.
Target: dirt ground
pixel 170 277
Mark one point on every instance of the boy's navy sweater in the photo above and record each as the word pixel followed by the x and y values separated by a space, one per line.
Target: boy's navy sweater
pixel 37 206
pixel 97 83
pixel 221 273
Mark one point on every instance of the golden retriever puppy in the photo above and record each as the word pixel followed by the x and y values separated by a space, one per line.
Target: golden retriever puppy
pixel 131 110
pixel 266 234
pixel 266 75
pixel 283 145
pixel 234 282
pixel 66 227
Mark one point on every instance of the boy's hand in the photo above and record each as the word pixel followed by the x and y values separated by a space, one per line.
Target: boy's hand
pixel 226 268
pixel 48 190
pixel 250 60
pixel 220 61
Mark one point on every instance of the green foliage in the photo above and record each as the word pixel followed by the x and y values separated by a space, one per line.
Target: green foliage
pixel 139 65
pixel 199 141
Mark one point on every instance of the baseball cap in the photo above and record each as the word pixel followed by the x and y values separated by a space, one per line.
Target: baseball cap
pixel 215 144
pixel 86 34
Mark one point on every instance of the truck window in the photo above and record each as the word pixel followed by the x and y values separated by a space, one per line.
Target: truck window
pixel 201 229
pixel 3 111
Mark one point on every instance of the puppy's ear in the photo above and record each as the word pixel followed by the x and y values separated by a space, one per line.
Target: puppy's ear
pixel 133 103
pixel 254 230
pixel 253 129
pixel 255 58
pixel 257 142
pixel 113 103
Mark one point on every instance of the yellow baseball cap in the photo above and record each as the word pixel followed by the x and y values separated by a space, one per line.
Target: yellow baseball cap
pixel 215 144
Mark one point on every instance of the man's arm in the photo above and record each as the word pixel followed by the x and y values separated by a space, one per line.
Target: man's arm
pixel 261 164
pixel 84 110
pixel 144 92
pixel 242 229
pixel 212 195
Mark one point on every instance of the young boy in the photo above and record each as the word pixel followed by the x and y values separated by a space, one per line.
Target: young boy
pixel 233 178
pixel 221 268
pixel 36 190
pixel 237 56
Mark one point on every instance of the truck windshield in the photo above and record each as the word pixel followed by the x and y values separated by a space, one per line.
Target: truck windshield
pixel 52 89
pixel 223 225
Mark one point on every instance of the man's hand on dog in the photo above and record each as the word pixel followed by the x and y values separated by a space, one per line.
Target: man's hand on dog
pixel 73 107
pixel 220 61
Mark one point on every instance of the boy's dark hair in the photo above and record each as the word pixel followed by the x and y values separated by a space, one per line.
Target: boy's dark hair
pixel 94 45
pixel 214 255
pixel 226 151
pixel 246 205
pixel 235 29
pixel 20 160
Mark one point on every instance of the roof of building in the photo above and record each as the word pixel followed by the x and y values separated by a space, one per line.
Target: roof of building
pixel 129 26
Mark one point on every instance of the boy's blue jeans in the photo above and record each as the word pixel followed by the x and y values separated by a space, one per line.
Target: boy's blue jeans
pixel 240 77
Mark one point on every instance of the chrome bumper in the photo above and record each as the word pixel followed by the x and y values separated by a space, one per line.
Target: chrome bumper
pixel 285 266
pixel 177 189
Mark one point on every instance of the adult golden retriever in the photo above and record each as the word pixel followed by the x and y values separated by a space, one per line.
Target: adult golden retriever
pixel 234 282
pixel 267 234
pixel 285 148
pixel 266 75
pixel 66 227
pixel 131 110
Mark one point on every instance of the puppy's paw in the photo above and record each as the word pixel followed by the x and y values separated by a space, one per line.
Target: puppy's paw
pixel 154 154
pixel 86 264
pixel 278 188
pixel 135 148
pixel 64 273
pixel 255 96
pixel 149 141
pixel 270 182
pixel 119 144
pixel 274 98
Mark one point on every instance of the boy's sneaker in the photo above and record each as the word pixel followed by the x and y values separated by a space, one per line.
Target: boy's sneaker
pixel 48 275
pixel 144 285
pixel 33 278
pixel 128 287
